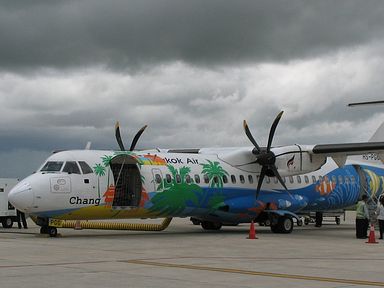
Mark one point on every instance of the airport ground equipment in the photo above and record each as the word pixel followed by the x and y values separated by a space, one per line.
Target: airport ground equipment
pixel 7 211
pixel 328 216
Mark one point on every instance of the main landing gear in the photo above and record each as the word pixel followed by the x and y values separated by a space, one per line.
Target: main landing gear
pixel 282 224
pixel 210 225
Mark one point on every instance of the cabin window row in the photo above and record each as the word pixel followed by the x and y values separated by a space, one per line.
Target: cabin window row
pixel 249 179
pixel 204 179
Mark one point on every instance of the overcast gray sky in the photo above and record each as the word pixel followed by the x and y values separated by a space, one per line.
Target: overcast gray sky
pixel 191 70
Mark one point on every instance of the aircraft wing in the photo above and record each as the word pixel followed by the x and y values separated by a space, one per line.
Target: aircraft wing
pixel 340 152
pixel 349 148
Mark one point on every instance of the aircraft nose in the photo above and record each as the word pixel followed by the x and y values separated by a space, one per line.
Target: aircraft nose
pixel 21 196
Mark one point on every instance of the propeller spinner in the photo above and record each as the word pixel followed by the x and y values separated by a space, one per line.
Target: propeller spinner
pixel 134 141
pixel 264 156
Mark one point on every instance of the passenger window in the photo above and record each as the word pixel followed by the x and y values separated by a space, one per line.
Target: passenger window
pixel 275 180
pixel 320 178
pixel 290 179
pixel 306 179
pixel 52 166
pixel 71 168
pixel 225 179
pixel 178 178
pixel 242 180
pixel 346 180
pixel 168 178
pixel 334 179
pixel 187 178
pixel 158 178
pixel 206 179
pixel 215 179
pixel 85 167
pixel 197 178
pixel 250 179
pixel 233 179
pixel 1 189
pixel 313 179
pixel 268 179
pixel 298 179
pixel 340 179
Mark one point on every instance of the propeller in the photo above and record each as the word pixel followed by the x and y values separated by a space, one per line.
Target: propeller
pixel 264 156
pixel 134 141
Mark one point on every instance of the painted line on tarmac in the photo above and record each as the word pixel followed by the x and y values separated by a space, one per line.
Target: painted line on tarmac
pixel 257 273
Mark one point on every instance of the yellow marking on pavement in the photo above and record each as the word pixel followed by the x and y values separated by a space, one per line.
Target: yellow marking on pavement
pixel 258 273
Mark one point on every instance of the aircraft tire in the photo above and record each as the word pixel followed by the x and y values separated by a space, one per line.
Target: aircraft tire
pixel 195 221
pixel 44 230
pixel 284 225
pixel 7 222
pixel 52 231
pixel 208 225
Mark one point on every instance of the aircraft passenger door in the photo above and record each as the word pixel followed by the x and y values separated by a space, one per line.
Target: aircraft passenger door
pixel 128 186
pixel 158 181
pixel 363 181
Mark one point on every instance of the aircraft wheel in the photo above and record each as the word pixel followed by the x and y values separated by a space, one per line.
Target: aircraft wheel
pixel 299 222
pixel 275 228
pixel 44 230
pixel 7 222
pixel 195 221
pixel 52 231
pixel 208 225
pixel 284 225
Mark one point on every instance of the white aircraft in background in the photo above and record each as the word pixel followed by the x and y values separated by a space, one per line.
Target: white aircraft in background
pixel 216 186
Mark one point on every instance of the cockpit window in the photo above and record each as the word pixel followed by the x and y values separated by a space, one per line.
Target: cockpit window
pixel 85 167
pixel 52 166
pixel 71 168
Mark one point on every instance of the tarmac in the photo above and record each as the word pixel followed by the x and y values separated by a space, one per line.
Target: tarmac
pixel 184 255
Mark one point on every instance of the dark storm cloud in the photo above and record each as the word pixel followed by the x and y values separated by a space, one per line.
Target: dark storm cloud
pixel 126 34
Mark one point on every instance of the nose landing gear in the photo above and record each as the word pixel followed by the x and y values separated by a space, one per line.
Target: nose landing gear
pixel 45 228
pixel 51 231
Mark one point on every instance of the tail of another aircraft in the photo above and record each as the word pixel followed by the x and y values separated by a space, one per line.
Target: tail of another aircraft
pixel 378 136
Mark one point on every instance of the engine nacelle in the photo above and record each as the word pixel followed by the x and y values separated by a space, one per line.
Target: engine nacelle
pixel 296 159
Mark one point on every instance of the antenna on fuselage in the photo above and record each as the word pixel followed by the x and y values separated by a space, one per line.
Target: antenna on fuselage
pixel 88 146
pixel 365 103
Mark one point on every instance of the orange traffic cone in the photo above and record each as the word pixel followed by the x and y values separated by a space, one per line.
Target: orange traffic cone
pixel 78 225
pixel 252 231
pixel 371 238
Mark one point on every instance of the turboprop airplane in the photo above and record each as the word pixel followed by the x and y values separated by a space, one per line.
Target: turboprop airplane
pixel 216 186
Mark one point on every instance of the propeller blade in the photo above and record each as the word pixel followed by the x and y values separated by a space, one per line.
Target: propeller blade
pixel 277 175
pixel 273 129
pixel 263 172
pixel 250 137
pixel 118 136
pixel 136 138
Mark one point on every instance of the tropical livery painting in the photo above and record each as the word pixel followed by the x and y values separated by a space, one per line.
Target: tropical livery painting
pixel 214 186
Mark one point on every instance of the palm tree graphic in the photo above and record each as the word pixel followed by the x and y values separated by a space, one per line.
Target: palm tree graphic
pixel 176 195
pixel 99 171
pixel 215 173
pixel 106 161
